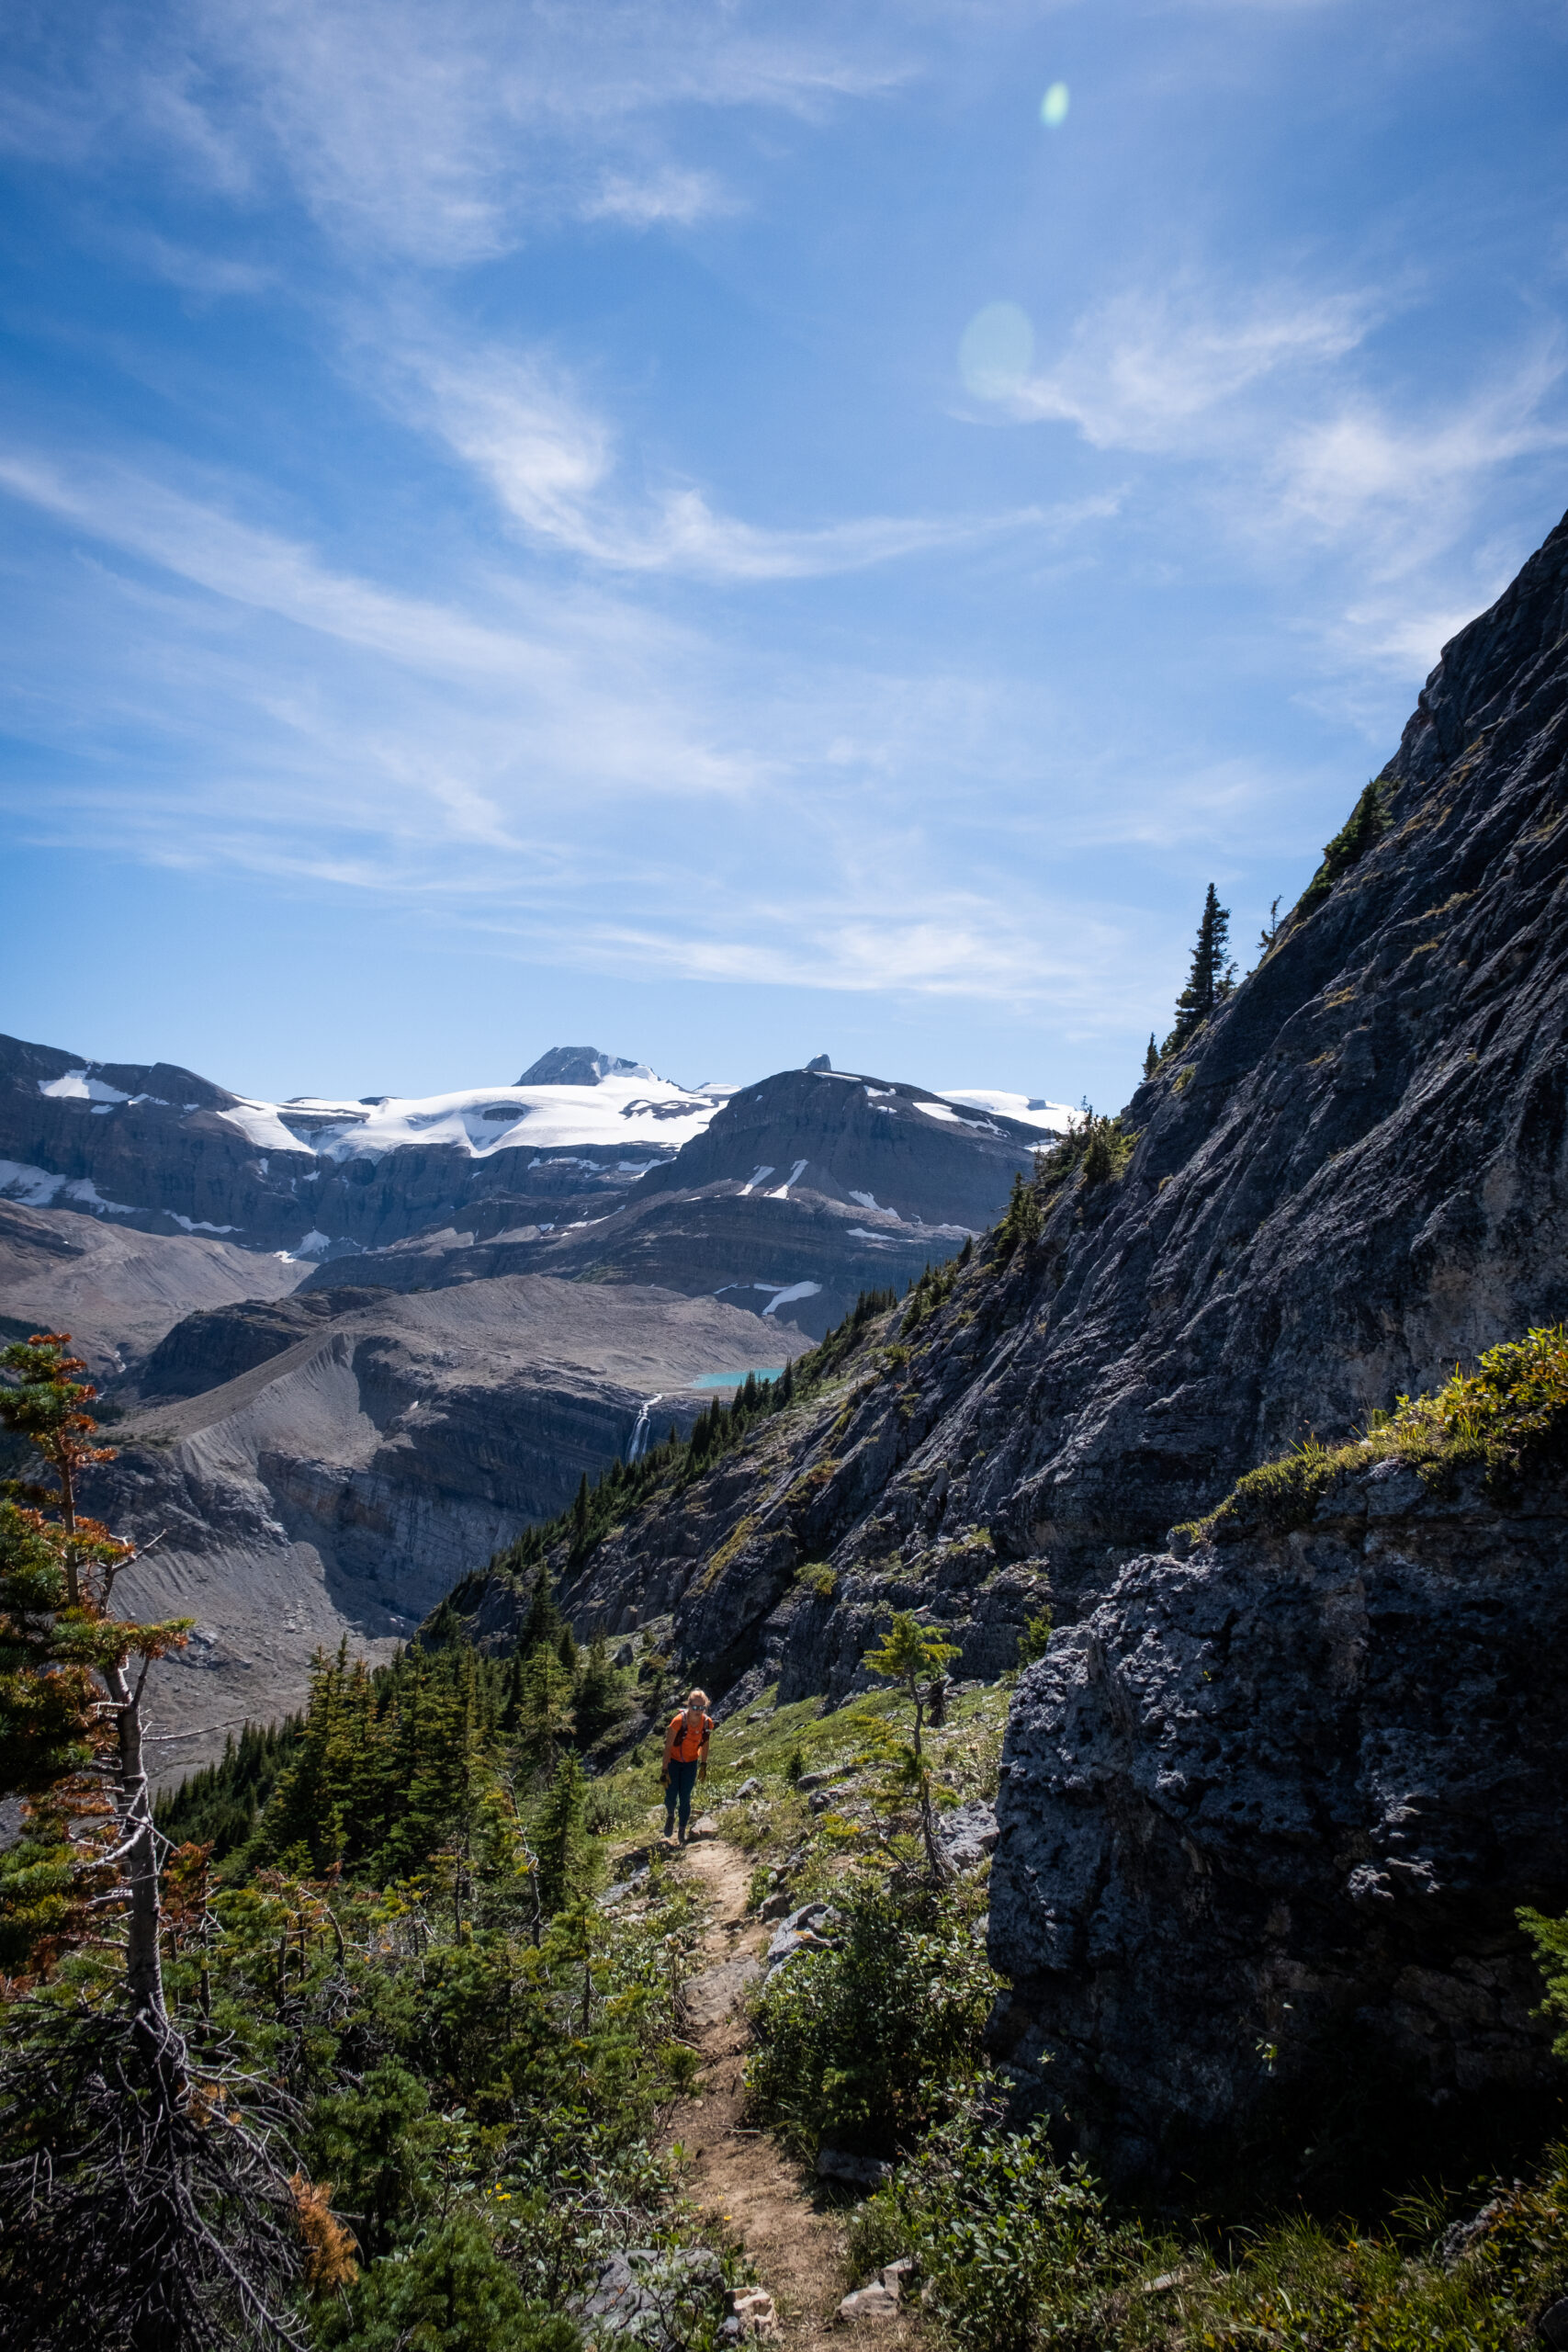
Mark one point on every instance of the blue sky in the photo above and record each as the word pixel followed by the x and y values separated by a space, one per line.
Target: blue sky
pixel 719 531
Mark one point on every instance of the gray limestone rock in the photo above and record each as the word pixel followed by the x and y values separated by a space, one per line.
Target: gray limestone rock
pixel 1283 1793
pixel 652 2295
pixel 967 1834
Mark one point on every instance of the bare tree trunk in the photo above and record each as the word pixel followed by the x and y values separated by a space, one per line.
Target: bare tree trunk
pixel 143 1958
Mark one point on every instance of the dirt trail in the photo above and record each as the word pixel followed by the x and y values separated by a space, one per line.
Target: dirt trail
pixel 736 2172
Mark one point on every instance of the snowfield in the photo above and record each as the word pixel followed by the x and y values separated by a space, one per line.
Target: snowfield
pixel 620 1113
pixel 1029 1110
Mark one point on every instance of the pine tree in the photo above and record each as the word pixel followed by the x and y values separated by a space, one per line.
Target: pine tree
pixel 560 1839
pixel 1211 978
pixel 1151 1059
pixel 542 1626
pixel 601 1702
pixel 67 1623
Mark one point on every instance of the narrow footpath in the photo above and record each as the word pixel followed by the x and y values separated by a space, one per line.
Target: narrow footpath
pixel 736 2172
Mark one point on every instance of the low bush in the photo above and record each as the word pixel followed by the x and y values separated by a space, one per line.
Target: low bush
pixel 866 2041
pixel 1017 2251
pixel 1013 2249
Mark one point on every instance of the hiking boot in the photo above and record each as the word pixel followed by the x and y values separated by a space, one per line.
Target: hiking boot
pixel 683 1833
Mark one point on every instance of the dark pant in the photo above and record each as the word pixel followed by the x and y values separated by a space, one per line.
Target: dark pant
pixel 682 1781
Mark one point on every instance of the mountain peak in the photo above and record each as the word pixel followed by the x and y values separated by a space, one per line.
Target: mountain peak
pixel 579 1066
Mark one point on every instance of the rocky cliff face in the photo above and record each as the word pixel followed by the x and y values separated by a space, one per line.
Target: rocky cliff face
pixel 1273 1808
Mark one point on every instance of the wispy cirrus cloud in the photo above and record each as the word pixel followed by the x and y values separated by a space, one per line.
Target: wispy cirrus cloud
pixel 1161 369
pixel 445 136
pixel 1365 465
pixel 551 463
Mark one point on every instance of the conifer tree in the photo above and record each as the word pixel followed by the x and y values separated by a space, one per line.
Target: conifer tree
pixel 542 1626
pixel 1151 1059
pixel 58 1619
pixel 1211 978
pixel 601 1702
pixel 544 1714
pixel 560 1839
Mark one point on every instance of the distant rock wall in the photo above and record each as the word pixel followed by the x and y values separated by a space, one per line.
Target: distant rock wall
pixel 1280 1794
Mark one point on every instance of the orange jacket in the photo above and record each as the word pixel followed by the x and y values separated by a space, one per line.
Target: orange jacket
pixel 684 1746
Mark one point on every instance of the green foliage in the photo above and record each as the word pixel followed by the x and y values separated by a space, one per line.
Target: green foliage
pixel 1211 978
pixel 218 1806
pixel 1017 2251
pixel 1509 1416
pixel 1550 1937
pixel 1014 2250
pixel 1362 832
pixel 46 1721
pixel 561 1838
pixel 1106 1148
pixel 934 1288
pixel 451 2293
pixel 1034 1640
pixel 908 1650
pixel 1150 1058
pixel 1098 1149
pixel 1022 1219
pixel 868 2041
pixel 601 1703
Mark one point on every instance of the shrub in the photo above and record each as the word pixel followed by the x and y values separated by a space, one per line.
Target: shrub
pixel 1361 831
pixel 1013 2249
pixel 1034 1639
pixel 452 2291
pixel 867 2040
pixel 1107 1150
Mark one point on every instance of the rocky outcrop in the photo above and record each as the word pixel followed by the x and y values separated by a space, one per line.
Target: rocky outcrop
pixel 1356 1173
pixel 1277 1804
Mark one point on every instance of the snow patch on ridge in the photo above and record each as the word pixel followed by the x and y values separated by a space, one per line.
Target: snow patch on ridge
pixel 1029 1110
pixel 75 1086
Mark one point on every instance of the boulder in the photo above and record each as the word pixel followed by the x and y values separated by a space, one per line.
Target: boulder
pixel 861 2172
pixel 653 2295
pixel 1280 1803
pixel 967 1834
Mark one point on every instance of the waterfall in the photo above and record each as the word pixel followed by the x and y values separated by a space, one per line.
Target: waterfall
pixel 639 1446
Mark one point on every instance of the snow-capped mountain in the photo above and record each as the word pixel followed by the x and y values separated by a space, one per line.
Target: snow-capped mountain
pixel 159 1149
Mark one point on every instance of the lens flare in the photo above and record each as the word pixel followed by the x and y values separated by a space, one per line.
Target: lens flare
pixel 1053 106
pixel 995 352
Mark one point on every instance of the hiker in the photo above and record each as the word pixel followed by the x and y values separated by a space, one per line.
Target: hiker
pixel 685 1759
